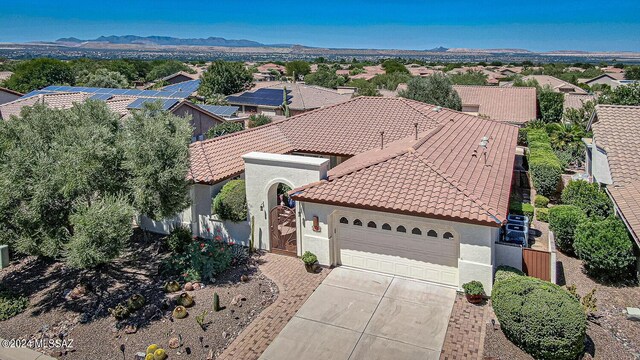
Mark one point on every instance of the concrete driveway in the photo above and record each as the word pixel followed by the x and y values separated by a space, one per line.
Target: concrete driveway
pixel 356 315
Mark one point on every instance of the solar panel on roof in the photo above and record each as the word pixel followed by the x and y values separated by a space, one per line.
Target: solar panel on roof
pixel 224 111
pixel 185 86
pixel 103 97
pixel 139 103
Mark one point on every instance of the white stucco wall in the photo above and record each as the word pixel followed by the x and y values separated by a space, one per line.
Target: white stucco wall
pixel 508 254
pixel 263 172
pixel 475 260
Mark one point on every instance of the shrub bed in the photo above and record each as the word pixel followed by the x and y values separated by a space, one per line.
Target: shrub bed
pixel 231 202
pixel 506 272
pixel 541 201
pixel 540 317
pixel 11 304
pixel 544 165
pixel 179 239
pixel 605 248
pixel 542 214
pixel 521 208
pixel 587 196
pixel 563 221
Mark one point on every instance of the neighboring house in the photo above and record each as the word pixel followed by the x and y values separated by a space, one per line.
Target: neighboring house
pixel 510 71
pixel 613 160
pixel 554 83
pixel 385 184
pixel 515 105
pixel 123 101
pixel 4 75
pixel 493 77
pixel 610 79
pixel 178 77
pixel 369 73
pixel 8 95
pixel 577 101
pixel 268 98
pixel 269 72
pixel 421 71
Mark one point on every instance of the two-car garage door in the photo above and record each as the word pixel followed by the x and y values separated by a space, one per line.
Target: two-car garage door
pixel 416 250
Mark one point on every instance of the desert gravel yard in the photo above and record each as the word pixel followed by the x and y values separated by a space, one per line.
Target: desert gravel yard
pixel 97 335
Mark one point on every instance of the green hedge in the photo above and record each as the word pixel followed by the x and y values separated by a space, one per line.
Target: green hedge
pixel 588 197
pixel 179 239
pixel 506 272
pixel 542 214
pixel 521 208
pixel 231 202
pixel 563 221
pixel 544 165
pixel 541 201
pixel 605 248
pixel 540 317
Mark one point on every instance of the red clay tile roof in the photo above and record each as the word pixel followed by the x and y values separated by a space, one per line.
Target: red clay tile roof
pixel 55 100
pixel 576 101
pixel 348 128
pixel 616 129
pixel 511 104
pixel 436 176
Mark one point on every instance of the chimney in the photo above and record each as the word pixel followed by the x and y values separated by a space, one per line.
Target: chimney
pixel 381 139
pixel 416 126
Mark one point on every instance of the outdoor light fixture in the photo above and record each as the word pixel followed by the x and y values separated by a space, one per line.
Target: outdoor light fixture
pixel 316 224
pixel 262 206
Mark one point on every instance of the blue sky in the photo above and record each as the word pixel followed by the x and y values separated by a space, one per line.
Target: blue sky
pixel 535 25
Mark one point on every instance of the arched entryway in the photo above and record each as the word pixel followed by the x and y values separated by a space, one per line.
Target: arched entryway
pixel 282 221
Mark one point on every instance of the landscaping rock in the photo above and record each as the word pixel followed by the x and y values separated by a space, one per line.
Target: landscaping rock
pixel 237 300
pixel 174 343
pixel 139 356
pixel 244 278
pixel 130 329
pixel 633 314
pixel 197 286
pixel 188 286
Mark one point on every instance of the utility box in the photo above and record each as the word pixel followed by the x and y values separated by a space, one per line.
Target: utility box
pixel 4 256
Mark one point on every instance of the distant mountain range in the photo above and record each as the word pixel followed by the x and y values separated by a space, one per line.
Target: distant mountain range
pixel 166 40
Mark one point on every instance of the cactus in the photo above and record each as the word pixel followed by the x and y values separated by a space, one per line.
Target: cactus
pixel 152 348
pixel 135 302
pixel 180 312
pixel 160 354
pixel 119 312
pixel 185 300
pixel 172 286
pixel 149 357
pixel 216 302
pixel 201 319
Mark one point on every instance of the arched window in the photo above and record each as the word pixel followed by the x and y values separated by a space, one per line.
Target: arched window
pixel 432 233
pixel 371 224
pixel 416 231
pixel 386 226
pixel 448 236
pixel 344 220
pixel 401 229
pixel 357 222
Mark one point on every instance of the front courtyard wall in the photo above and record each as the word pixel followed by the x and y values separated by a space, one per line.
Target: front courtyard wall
pixel 475 259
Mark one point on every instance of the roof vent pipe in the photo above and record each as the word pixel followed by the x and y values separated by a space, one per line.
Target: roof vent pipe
pixel 381 139
pixel 416 126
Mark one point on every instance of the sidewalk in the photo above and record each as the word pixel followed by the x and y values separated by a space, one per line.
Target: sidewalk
pixel 22 354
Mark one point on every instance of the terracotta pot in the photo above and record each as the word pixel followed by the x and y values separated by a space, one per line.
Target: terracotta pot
pixel 474 299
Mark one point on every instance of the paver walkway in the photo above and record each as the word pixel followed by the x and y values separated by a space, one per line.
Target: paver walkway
pixel 295 285
pixel 465 334
pixel 22 354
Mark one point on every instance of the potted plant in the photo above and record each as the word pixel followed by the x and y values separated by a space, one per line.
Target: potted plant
pixel 474 291
pixel 310 261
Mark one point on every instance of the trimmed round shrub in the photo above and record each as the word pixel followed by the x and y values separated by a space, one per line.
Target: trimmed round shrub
pixel 179 239
pixel 541 318
pixel 506 272
pixel 541 201
pixel 605 248
pixel 563 221
pixel 588 197
pixel 542 214
pixel 231 202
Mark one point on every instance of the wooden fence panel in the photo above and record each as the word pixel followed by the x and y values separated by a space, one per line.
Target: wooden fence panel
pixel 536 263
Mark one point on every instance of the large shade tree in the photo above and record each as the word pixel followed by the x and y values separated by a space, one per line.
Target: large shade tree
pixel 38 73
pixel 226 78
pixel 71 179
pixel 435 89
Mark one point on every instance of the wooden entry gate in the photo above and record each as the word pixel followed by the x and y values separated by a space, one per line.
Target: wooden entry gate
pixel 536 263
pixel 282 231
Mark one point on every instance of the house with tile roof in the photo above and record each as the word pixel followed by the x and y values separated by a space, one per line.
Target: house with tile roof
pixel 8 95
pixel 386 184
pixel 515 105
pixel 610 79
pixel 202 118
pixel 613 160
pixel 554 83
